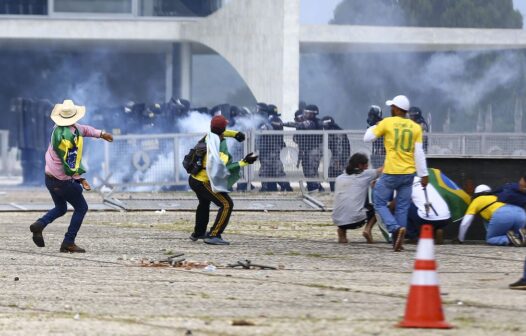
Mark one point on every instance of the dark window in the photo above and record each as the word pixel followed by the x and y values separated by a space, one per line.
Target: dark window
pixel 93 6
pixel 182 8
pixel 23 7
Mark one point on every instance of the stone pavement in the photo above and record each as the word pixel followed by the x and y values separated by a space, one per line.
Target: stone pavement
pixel 324 288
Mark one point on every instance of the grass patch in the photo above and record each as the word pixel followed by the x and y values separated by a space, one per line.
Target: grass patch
pixel 314 255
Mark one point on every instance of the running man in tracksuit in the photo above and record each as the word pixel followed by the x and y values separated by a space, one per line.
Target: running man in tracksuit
pixel 213 182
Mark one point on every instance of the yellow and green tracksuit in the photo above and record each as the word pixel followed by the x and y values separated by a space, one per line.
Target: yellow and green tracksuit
pixel 200 184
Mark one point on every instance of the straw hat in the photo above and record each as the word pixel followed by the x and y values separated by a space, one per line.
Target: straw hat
pixel 67 113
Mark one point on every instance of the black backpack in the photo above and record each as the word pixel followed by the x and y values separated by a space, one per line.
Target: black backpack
pixel 193 161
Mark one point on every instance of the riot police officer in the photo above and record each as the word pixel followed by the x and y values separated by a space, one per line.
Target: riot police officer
pixel 339 146
pixel 415 114
pixel 310 146
pixel 374 116
pixel 270 147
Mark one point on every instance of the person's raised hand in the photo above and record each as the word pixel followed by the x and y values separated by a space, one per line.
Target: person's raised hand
pixel 250 158
pixel 106 136
pixel 240 136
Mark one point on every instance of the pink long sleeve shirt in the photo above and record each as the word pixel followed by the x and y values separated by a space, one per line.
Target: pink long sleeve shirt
pixel 54 164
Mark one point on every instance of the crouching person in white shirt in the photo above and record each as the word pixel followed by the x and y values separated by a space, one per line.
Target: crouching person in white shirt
pixel 432 209
pixel 351 207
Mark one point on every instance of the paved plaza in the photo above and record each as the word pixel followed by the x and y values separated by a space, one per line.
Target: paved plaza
pixel 319 288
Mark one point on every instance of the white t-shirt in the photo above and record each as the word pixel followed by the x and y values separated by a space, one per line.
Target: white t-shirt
pixel 350 193
pixel 419 200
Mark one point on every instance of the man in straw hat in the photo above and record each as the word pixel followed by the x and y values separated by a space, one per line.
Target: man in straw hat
pixel 63 172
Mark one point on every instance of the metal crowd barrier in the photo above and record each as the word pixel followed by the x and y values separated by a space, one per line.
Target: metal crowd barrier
pixel 285 156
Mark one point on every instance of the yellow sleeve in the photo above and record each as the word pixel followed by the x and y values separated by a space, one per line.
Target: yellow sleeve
pixel 243 163
pixel 473 207
pixel 379 130
pixel 229 133
pixel 223 157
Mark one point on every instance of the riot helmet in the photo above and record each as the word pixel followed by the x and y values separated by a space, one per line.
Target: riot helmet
pixel 262 109
pixel 221 109
pixel 182 103
pixel 374 115
pixel 415 114
pixel 328 122
pixel 310 112
pixel 273 110
pixel 234 112
pixel 298 116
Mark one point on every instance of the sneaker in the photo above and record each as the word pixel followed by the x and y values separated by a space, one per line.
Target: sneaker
pixel 439 237
pixel 522 234
pixel 37 229
pixel 215 241
pixel 71 248
pixel 521 284
pixel 513 239
pixel 194 237
pixel 398 239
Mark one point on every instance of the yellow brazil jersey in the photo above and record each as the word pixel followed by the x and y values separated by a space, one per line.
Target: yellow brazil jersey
pixel 482 202
pixel 400 135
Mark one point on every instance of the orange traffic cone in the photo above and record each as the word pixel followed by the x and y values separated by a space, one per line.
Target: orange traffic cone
pixel 424 307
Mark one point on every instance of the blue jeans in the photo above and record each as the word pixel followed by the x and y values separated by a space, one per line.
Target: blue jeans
pixel 383 193
pixel 508 217
pixel 62 192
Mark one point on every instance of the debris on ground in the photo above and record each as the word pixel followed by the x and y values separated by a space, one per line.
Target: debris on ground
pixel 242 323
pixel 247 264
pixel 176 260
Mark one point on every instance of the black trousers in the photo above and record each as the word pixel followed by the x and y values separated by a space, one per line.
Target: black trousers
pixel 205 195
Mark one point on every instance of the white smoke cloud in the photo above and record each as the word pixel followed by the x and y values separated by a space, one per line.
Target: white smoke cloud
pixel 447 73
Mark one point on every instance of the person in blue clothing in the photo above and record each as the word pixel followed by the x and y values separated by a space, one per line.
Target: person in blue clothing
pixel 513 193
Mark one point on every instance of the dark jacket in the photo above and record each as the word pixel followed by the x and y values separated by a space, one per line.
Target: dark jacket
pixel 511 194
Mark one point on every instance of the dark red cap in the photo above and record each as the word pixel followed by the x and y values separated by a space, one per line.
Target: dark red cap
pixel 218 124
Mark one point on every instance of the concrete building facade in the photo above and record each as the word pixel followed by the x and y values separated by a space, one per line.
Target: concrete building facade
pixel 261 39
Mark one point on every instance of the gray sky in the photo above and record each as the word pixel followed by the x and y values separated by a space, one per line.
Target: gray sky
pixel 321 11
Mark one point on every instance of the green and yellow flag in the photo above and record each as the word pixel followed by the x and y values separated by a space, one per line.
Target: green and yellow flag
pixel 456 198
pixel 68 146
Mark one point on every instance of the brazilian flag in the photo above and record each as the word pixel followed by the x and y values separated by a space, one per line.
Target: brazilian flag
pixel 68 146
pixel 456 198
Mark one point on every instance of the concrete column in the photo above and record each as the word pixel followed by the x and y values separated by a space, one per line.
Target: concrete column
pixel 185 58
pixel 169 74
pixel 260 39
